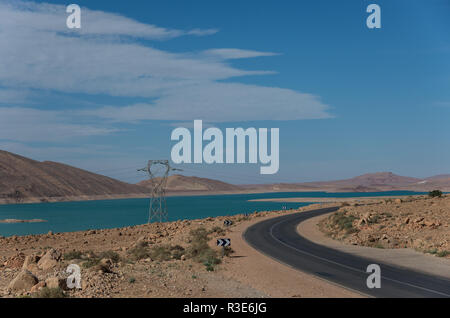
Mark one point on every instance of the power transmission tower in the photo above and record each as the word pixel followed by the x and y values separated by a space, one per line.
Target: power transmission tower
pixel 158 172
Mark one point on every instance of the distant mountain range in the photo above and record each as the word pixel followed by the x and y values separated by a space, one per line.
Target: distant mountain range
pixel 370 182
pixel 27 180
pixel 182 183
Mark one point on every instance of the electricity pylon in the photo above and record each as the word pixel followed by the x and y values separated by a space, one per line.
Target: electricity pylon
pixel 158 172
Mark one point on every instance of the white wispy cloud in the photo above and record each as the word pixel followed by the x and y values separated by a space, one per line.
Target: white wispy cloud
pixel 107 56
pixel 28 124
pixel 44 17
pixel 224 102
pixel 229 54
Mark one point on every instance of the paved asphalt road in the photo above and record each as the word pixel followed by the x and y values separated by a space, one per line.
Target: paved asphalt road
pixel 279 239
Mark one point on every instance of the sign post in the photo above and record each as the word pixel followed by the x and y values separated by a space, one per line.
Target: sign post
pixel 224 243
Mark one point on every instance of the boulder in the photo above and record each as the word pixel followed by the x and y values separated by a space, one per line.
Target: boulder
pixel 37 287
pixel 55 282
pixel 30 263
pixel 24 281
pixel 50 259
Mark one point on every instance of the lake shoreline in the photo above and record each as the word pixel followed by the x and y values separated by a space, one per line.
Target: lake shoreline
pixel 329 199
pixel 81 198
pixel 13 221
pixel 102 214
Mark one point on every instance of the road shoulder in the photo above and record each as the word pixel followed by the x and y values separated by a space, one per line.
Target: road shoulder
pixel 406 258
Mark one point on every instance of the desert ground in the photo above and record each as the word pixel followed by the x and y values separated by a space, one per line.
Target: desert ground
pixel 417 222
pixel 181 259
pixel 174 259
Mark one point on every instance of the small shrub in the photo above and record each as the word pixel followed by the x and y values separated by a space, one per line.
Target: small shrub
pixel 217 230
pixel 160 253
pixel 199 234
pixel 200 251
pixel 351 230
pixel 142 244
pixel 73 255
pixel 90 262
pixel 378 245
pixel 139 252
pixel 166 252
pixel 374 219
pixel 177 251
pixel 435 194
pixel 443 253
pixel 210 261
pixel 432 251
pixel 343 222
pixel 228 251
pixel 132 280
pixel 113 256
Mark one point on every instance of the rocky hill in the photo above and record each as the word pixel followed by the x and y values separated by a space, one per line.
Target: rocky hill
pixel 22 178
pixel 370 182
pixel 178 183
pixel 26 180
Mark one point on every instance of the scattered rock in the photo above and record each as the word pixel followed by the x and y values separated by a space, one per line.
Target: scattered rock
pixel 56 282
pixel 31 263
pixel 50 259
pixel 37 287
pixel 418 220
pixel 24 281
pixel 15 261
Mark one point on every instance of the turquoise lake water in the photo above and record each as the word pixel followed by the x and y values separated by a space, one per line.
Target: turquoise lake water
pixel 102 214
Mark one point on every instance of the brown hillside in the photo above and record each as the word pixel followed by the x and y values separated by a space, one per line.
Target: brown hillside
pixel 22 178
pixel 378 179
pixel 185 183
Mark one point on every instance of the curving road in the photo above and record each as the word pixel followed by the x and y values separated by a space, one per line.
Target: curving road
pixel 279 239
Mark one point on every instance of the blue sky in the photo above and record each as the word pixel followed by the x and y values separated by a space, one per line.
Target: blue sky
pixel 348 100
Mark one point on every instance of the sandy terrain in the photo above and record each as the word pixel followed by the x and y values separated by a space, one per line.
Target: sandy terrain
pixel 419 223
pixel 111 267
pixel 405 257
